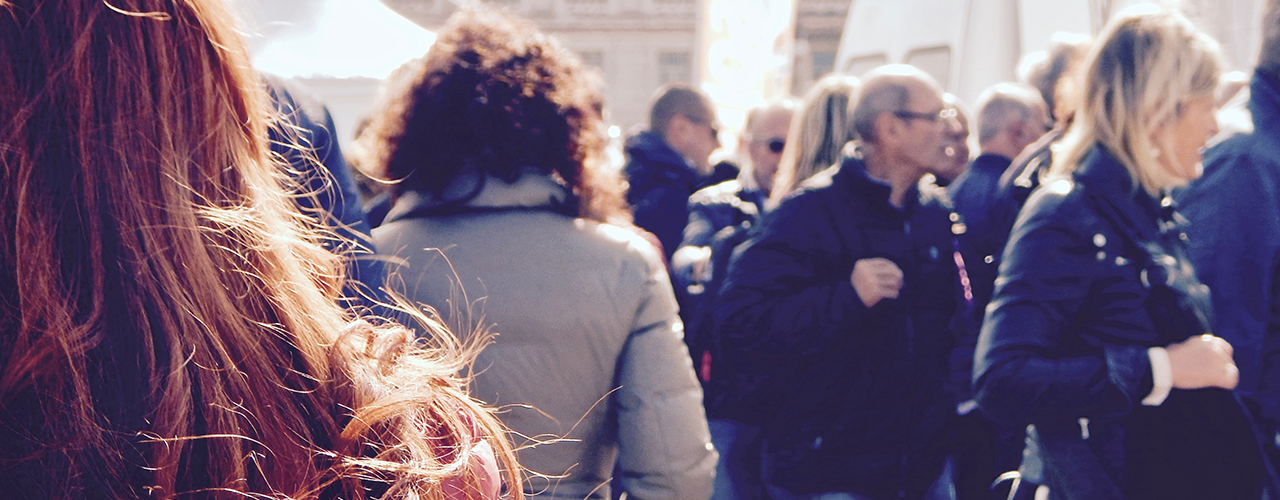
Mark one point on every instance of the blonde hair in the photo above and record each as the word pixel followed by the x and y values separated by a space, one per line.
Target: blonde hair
pixel 1148 63
pixel 818 133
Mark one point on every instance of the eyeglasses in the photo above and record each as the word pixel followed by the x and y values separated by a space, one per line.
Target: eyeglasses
pixel 715 130
pixel 941 116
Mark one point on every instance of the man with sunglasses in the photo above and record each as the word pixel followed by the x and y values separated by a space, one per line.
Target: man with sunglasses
pixel 670 160
pixel 835 316
pixel 719 217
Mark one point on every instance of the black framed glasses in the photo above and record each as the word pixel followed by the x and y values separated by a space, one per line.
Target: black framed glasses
pixel 939 117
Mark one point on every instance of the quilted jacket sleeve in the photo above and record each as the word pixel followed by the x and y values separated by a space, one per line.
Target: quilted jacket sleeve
pixel 664 446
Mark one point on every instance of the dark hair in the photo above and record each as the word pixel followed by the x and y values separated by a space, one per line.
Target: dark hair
pixel 677 99
pixel 1269 54
pixel 1045 70
pixel 168 321
pixel 495 97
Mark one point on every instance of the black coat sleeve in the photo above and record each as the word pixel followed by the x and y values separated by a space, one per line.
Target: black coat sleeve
pixel 788 293
pixel 1032 364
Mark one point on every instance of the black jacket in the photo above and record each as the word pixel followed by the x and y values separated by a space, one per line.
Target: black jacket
pixel 974 196
pixel 1093 276
pixel 848 398
pixel 661 182
pixel 1234 211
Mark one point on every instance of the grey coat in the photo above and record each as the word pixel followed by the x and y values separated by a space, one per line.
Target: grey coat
pixel 588 343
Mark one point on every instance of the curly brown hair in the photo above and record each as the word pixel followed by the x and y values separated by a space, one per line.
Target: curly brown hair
pixel 494 96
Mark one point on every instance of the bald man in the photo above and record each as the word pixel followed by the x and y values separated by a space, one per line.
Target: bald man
pixel 1010 117
pixel 834 316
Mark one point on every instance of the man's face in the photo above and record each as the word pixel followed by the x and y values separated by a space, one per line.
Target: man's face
pixel 930 130
pixel 958 149
pixel 1034 127
pixel 701 138
pixel 768 137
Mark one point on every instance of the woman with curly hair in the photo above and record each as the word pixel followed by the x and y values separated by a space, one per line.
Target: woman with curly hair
pixel 168 320
pixel 505 212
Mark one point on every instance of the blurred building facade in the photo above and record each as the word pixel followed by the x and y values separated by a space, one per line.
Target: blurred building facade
pixel 638 45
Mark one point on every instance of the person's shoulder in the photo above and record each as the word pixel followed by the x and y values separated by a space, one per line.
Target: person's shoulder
pixel 1058 201
pixel 1243 165
pixel 625 243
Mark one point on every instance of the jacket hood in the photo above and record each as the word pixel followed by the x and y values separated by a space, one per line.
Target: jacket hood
pixel 650 148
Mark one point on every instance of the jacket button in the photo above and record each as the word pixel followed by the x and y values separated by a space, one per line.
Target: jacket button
pixel 1099 240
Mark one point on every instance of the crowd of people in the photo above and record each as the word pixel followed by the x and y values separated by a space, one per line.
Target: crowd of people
pixel 857 306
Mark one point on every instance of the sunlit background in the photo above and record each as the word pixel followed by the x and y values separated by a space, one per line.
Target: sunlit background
pixel 742 52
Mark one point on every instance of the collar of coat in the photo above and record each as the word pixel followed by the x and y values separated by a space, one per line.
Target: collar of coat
pixel 532 191
pixel 1102 172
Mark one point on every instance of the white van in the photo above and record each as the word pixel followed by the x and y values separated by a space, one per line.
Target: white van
pixel 969 45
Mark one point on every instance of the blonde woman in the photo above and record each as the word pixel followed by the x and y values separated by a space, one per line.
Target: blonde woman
pixel 1096 334
pixel 817 135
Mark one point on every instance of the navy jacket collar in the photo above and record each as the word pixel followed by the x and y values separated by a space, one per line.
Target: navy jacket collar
pixel 1264 103
pixel 997 164
pixel 854 171
pixel 652 149
pixel 1102 172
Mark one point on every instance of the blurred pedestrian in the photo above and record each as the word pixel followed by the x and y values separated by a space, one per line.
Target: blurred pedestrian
pixel 670 160
pixel 506 219
pixel 1010 117
pixel 169 323
pixel 958 151
pixel 1234 214
pixel 1096 334
pixel 305 139
pixel 719 217
pixel 836 310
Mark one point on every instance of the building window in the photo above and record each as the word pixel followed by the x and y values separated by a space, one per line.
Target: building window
pixel 587 7
pixel 823 63
pixel 936 61
pixel 592 58
pixel 674 67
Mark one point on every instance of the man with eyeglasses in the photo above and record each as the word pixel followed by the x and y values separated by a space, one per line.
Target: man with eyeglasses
pixel 719 217
pixel 835 314
pixel 670 160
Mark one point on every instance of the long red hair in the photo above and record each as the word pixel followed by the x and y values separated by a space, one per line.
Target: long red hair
pixel 167 321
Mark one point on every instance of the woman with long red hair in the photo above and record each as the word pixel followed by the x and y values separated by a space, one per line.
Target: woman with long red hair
pixel 168 324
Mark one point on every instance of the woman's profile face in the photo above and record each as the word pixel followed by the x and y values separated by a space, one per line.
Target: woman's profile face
pixel 1189 133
